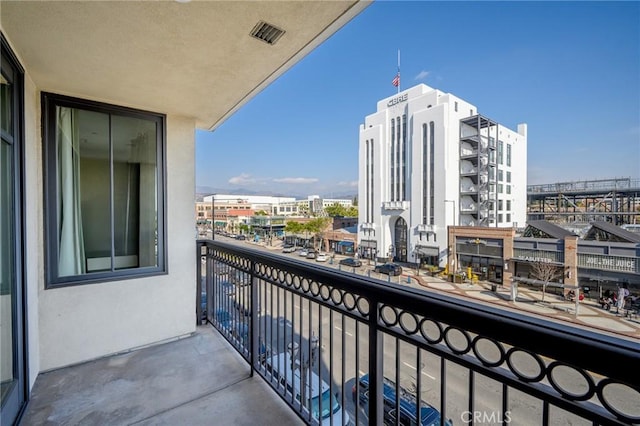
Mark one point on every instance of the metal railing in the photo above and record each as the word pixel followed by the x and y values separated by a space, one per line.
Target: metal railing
pixel 340 348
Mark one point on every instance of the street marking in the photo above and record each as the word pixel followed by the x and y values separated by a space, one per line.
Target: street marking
pixel 346 332
pixel 413 368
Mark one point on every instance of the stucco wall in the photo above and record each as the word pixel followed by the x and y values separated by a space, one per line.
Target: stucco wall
pixel 84 322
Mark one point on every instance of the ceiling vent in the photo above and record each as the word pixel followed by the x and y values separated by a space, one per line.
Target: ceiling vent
pixel 266 32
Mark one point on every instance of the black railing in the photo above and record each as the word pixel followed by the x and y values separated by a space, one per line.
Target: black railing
pixel 335 345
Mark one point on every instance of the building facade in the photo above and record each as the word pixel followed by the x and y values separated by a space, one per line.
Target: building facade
pixel 428 160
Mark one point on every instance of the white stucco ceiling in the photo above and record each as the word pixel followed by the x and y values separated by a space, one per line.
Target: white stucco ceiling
pixel 194 59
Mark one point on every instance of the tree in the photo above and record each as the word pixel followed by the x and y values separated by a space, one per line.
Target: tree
pixel 336 210
pixel 546 272
pixel 317 227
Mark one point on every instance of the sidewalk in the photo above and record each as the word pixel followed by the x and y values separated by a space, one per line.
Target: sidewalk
pixel 590 314
pixel 529 300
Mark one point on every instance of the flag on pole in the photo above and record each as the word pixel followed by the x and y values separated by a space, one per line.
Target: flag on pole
pixel 396 80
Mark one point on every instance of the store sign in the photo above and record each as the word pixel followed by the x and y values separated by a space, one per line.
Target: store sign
pixel 397 100
pixel 537 256
pixel 611 263
pixel 534 259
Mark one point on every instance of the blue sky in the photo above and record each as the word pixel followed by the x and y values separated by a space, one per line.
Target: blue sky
pixel 570 70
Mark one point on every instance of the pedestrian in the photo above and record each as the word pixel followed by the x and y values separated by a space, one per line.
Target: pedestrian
pixel 623 292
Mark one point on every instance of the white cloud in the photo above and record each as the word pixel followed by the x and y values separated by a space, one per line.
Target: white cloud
pixel 422 75
pixel 351 184
pixel 243 179
pixel 296 180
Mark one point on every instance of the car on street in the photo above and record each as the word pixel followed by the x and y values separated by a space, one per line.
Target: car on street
pixel 350 261
pixel 429 415
pixel 288 248
pixel 311 254
pixel 324 406
pixel 322 257
pixel 303 252
pixel 389 269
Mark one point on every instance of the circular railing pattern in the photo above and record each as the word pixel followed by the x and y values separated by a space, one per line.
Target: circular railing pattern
pixel 341 299
pixel 567 381
pixel 572 383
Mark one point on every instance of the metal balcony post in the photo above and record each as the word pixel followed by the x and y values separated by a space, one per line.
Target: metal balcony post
pixel 376 355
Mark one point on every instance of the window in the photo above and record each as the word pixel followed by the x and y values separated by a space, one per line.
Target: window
pixel 508 217
pixel 455 106
pixel 508 189
pixel 499 204
pixel 500 175
pixel 508 177
pixel 104 191
pixel 509 155
pixel 500 152
pixel 500 188
pixel 500 218
pixel 509 205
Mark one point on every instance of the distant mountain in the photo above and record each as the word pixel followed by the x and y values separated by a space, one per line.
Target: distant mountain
pixel 203 191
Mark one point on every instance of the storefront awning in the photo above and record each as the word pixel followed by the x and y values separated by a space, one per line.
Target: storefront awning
pixel 345 243
pixel 427 251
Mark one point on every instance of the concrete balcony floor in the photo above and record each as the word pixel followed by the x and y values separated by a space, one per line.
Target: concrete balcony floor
pixel 197 380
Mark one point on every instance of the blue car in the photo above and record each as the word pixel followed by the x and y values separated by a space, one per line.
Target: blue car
pixel 429 415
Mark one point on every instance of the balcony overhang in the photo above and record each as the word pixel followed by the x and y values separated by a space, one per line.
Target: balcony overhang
pixel 195 59
pixel 395 205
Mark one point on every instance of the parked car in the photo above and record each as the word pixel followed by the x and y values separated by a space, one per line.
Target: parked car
pixel 288 248
pixel 389 269
pixel 429 415
pixel 303 252
pixel 322 257
pixel 350 261
pixel 312 254
pixel 288 374
pixel 241 237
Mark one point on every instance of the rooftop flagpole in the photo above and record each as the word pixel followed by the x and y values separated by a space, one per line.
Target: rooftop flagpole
pixel 398 70
pixel 396 79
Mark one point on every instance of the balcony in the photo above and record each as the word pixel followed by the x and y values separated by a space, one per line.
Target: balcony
pixel 395 205
pixel 430 229
pixel 441 355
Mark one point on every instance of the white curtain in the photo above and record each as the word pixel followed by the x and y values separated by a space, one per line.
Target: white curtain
pixel 71 254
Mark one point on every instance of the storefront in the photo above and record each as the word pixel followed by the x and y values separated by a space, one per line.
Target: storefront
pixel 428 255
pixel 368 249
pixel 481 252
pixel 482 257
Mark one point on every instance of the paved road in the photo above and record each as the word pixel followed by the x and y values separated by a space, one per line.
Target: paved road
pixel 307 320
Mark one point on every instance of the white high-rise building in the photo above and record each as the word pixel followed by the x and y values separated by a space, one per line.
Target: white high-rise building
pixel 427 160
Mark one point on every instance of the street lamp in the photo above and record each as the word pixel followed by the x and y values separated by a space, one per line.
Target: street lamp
pixel 213 216
pixel 453 203
pixel 306 363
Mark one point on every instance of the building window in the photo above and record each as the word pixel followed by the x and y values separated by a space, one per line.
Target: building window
pixel 500 188
pixel 104 191
pixel 509 155
pixel 500 175
pixel 424 173
pixel 500 218
pixel 432 175
pixel 508 217
pixel 508 177
pixel 455 106
pixel 500 205
pixel 393 160
pixel 500 152
pixel 509 205
pixel 508 189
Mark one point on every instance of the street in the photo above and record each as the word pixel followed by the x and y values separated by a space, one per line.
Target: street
pixel 343 356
